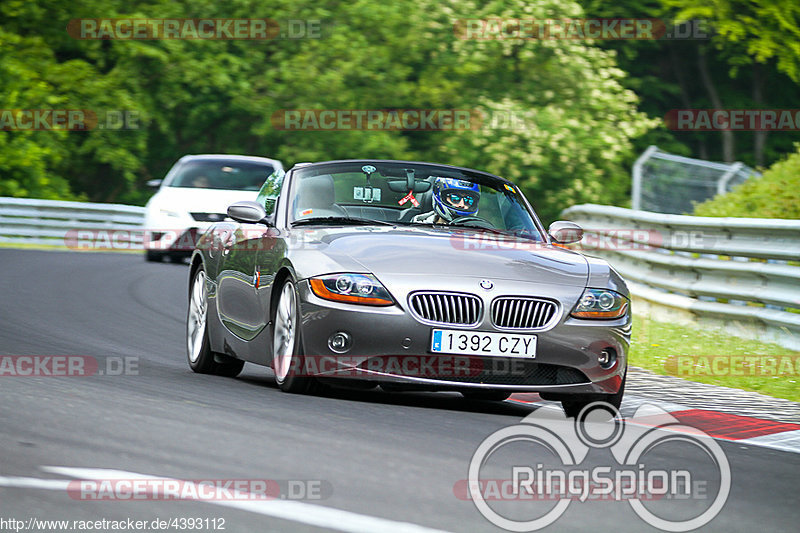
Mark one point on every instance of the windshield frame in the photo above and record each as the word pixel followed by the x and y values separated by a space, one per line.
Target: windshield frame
pixel 480 177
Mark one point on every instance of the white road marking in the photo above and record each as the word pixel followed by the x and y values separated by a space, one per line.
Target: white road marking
pixel 632 402
pixel 788 441
pixel 33 483
pixel 295 511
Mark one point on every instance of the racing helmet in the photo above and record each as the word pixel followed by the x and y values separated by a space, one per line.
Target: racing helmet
pixel 454 198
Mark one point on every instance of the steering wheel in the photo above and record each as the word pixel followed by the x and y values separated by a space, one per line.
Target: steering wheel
pixel 472 221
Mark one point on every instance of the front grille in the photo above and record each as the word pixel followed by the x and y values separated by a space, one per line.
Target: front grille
pixel 497 371
pixel 475 369
pixel 447 307
pixel 208 217
pixel 518 312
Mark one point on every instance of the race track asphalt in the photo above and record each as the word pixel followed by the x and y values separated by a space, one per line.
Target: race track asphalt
pixel 389 456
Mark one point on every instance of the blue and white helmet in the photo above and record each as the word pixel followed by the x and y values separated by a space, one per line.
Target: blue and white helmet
pixel 454 198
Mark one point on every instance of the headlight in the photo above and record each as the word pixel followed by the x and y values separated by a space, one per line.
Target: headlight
pixel 351 288
pixel 600 303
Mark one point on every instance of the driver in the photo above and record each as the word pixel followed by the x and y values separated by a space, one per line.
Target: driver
pixel 201 181
pixel 452 199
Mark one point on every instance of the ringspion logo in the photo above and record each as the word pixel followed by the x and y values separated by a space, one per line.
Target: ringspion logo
pixel 518 472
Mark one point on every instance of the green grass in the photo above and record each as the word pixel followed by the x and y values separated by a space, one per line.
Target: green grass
pixel 690 352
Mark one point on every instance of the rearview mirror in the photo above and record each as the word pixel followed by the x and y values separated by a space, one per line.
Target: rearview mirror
pixel 247 212
pixel 154 184
pixel 402 186
pixel 565 232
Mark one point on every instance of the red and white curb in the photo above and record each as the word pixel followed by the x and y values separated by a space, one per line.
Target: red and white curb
pixel 746 430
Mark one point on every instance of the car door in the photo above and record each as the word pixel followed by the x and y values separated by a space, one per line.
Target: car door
pixel 241 278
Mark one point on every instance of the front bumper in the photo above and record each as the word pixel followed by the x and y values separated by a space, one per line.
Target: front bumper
pixel 173 241
pixel 389 346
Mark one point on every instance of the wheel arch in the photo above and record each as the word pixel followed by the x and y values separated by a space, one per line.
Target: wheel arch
pixel 196 263
pixel 285 272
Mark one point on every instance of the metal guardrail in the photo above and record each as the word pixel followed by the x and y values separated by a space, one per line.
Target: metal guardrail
pixel 57 223
pixel 734 269
pixel 738 270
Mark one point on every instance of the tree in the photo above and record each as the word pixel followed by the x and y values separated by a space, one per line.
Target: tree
pixel 572 141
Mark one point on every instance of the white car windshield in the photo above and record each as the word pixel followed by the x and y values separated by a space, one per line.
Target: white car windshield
pixel 221 174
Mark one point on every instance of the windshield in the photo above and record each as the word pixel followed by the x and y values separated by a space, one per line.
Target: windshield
pixel 408 194
pixel 222 174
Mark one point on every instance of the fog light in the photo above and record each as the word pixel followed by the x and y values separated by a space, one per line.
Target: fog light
pixel 607 358
pixel 339 342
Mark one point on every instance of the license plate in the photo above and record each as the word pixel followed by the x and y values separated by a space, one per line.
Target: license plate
pixel 482 343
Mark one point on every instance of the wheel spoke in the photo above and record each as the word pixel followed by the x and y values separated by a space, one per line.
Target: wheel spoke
pixel 284 336
pixel 196 321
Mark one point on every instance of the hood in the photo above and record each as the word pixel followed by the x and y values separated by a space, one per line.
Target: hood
pixel 198 200
pixel 451 252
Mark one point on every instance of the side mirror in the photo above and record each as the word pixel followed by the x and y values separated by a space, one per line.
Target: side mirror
pixel 247 212
pixel 154 184
pixel 565 232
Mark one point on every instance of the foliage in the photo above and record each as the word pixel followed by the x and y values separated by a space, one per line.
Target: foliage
pixel 583 109
pixel 775 195
pixel 195 96
pixel 762 30
pixel 666 74
pixel 575 120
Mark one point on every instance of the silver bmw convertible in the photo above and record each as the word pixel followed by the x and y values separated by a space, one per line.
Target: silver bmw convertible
pixel 407 276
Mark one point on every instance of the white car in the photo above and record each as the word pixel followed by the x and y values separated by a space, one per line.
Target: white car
pixel 196 193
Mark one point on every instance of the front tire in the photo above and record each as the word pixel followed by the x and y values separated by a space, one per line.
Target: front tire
pixel 153 257
pixel 287 358
pixel 198 348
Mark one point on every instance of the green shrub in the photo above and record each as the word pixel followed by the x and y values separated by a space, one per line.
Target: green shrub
pixel 775 195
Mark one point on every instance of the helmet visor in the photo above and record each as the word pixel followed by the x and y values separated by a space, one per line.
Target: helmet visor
pixel 460 199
